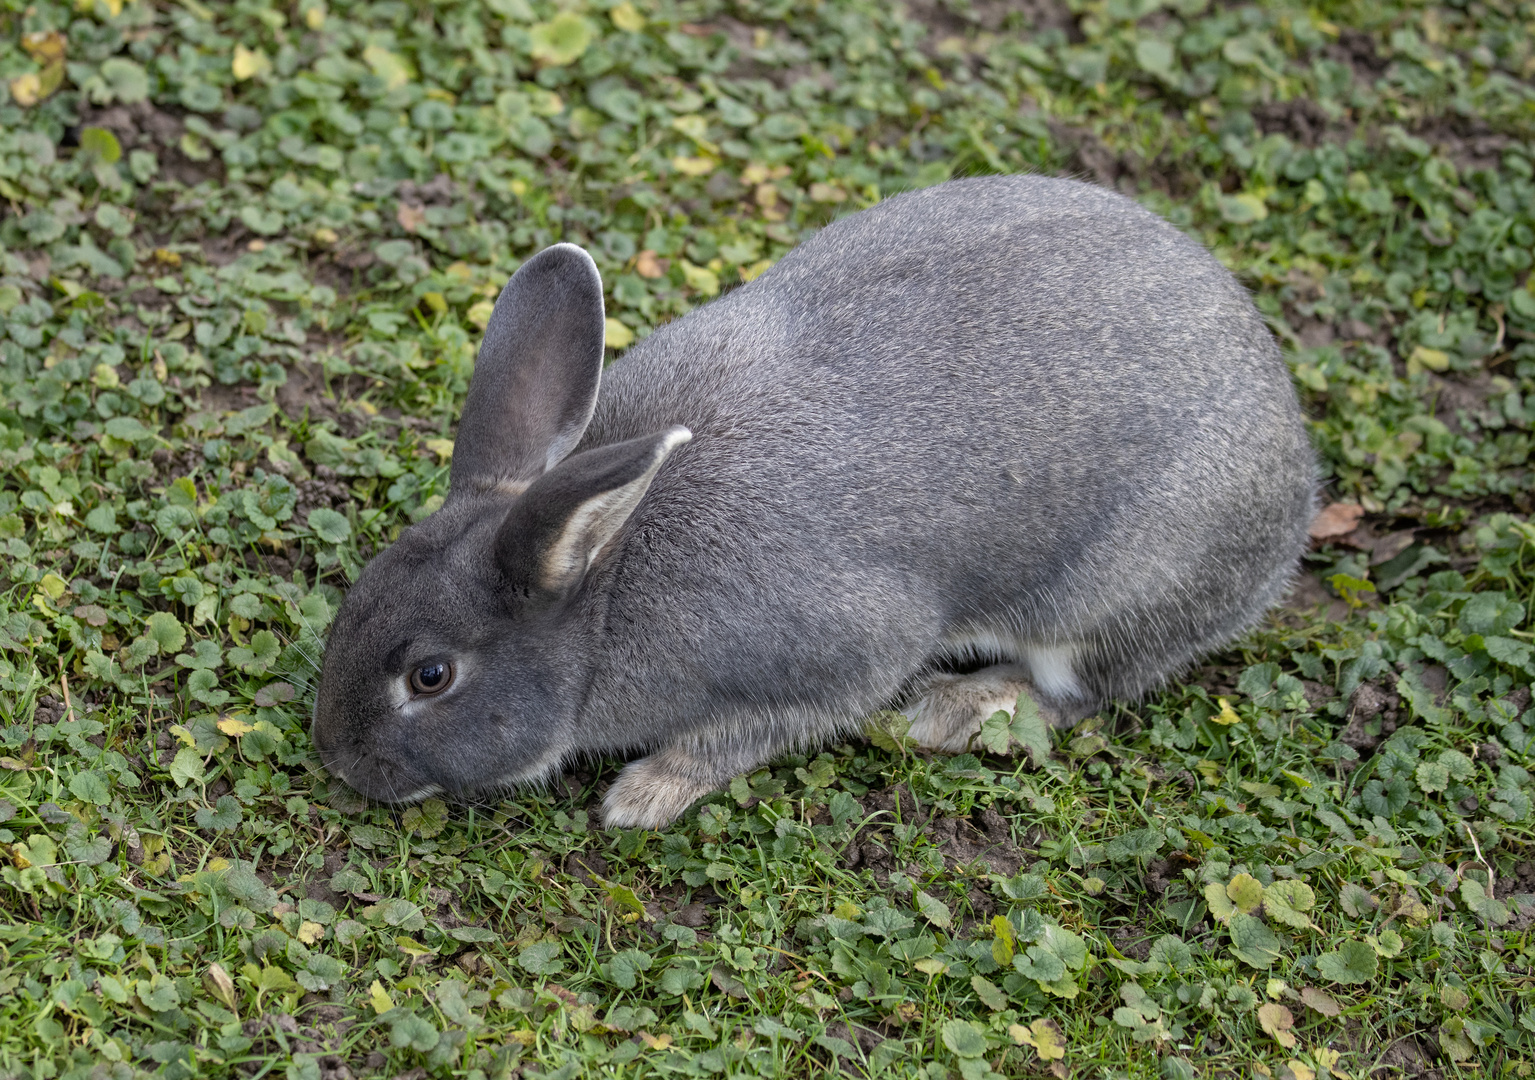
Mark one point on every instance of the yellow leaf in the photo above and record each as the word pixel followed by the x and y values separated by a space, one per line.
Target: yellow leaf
pixel 1227 715
pixel 413 948
pixel 1300 1070
pixel 235 727
pixel 314 18
pixel 1277 1021
pixel 1045 1036
pixel 26 90
pixel 626 17
pixel 182 734
pixel 1328 1059
pixel 1221 907
pixel 700 279
pixel 379 998
pixel 931 965
pixel 46 46
pixel 692 125
pixel 479 314
pixel 1423 357
pixel 436 301
pixel 392 69
pixel 310 932
pixel 443 448
pixel 754 271
pixel 1246 892
pixel 215 865
pixel 827 193
pixel 662 1041
pixel 1004 941
pixel 618 335
pixel 561 40
pixel 248 63
pixel 694 166
pixel 545 103
pixel 54 586
pixel 326 235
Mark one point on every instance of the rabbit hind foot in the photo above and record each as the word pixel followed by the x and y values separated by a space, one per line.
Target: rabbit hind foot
pixel 950 709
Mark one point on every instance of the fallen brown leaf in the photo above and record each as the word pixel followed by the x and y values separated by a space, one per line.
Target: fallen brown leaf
pixel 649 265
pixel 410 217
pixel 1339 519
pixel 1320 1001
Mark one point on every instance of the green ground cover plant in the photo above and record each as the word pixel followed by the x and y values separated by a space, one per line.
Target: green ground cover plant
pixel 245 254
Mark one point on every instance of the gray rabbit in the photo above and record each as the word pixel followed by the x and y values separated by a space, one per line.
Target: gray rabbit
pixel 1010 421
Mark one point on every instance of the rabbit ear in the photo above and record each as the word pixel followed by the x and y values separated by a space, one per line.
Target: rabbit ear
pixel 535 379
pixel 556 529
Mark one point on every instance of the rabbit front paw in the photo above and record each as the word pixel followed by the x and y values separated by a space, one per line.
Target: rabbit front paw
pixel 654 791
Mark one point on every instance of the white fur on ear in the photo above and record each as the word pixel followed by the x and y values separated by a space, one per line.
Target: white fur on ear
pixel 597 520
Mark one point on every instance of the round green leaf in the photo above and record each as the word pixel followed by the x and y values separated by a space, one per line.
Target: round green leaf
pixel 1253 942
pixel 91 787
pixel 102 519
pixel 1353 962
pixel 415 1032
pixel 167 632
pixel 329 525
pixel 561 40
pixel 128 82
pixel 102 144
pixel 964 1039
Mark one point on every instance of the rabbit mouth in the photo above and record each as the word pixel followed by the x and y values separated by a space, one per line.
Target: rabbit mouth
pixel 377 778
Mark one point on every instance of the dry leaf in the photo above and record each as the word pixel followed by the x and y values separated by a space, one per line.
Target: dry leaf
pixel 410 216
pixel 219 984
pixel 26 90
pixel 647 265
pixel 1339 519
pixel 694 166
pixel 248 63
pixel 626 17
pixel 46 47
pixel 1045 1036
pixel 616 334
pixel 1277 1021
pixel 1320 1001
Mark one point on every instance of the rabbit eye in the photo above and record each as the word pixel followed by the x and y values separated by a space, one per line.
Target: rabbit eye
pixel 431 678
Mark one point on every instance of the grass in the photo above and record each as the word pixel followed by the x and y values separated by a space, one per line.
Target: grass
pixel 245 253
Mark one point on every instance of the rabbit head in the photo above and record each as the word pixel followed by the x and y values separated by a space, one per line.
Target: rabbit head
pixel 458 660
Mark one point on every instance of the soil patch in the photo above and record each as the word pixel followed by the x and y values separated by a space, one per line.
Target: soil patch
pixel 145 126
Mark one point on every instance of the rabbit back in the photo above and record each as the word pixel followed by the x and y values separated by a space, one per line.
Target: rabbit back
pixel 1007 416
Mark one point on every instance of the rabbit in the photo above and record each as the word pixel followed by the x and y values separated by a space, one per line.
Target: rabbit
pixel 1013 422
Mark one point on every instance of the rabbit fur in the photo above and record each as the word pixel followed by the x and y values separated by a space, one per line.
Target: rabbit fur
pixel 1018 421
